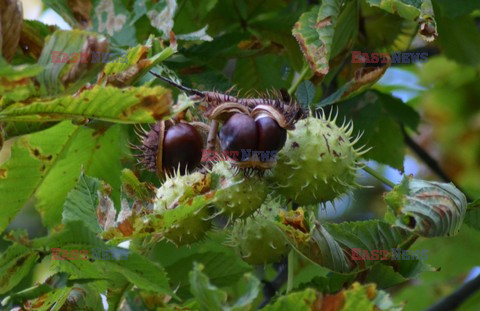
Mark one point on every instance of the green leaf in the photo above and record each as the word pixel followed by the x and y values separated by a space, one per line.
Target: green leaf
pixel 128 105
pixel 305 93
pixel 56 281
pixel 396 34
pixel 331 245
pixel 427 208
pixel 454 256
pixel 303 300
pixel 401 112
pixel 15 264
pixel 14 129
pixel 210 297
pixel 405 8
pixel 401 271
pixel 142 272
pixel 380 130
pixel 319 247
pixel 367 235
pixel 81 203
pixel 346 30
pixel 262 73
pixel 357 297
pixel 329 284
pixel 333 257
pixel 458 8
pixel 53 159
pixel 13 73
pixel 137 269
pixel 458 36
pixel 472 216
pixel 16 82
pixel 222 268
pixel 413 10
pixel 315 31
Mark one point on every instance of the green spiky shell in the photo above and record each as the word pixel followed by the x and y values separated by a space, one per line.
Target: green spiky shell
pixel 257 239
pixel 238 196
pixel 318 162
pixel 189 226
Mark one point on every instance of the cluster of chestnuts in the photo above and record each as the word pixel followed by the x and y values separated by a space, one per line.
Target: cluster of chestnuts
pixel 254 135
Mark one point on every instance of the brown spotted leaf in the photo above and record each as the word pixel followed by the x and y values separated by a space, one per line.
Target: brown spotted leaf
pixel 356 297
pixel 134 65
pixel 426 208
pixel 53 159
pixel 363 78
pixel 15 263
pixel 129 105
pixel 314 32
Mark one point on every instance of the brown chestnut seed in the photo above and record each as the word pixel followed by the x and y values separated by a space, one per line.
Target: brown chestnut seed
pixel 239 133
pixel 182 146
pixel 271 137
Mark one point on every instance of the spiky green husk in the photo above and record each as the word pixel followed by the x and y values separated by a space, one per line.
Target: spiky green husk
pixel 191 229
pixel 190 225
pixel 258 239
pixel 318 162
pixel 238 196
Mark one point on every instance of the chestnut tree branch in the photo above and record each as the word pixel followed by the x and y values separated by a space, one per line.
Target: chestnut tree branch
pixel 430 161
pixel 455 299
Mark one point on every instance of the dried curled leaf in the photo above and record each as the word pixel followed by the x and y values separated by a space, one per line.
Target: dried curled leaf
pixel 11 20
pixel 81 10
pixel 427 208
pixel 92 46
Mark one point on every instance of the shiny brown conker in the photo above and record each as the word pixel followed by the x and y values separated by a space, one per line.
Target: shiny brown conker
pixel 238 132
pixel 271 137
pixel 182 148
pixel 243 134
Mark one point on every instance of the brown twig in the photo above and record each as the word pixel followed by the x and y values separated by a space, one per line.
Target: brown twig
pixel 430 161
pixel 294 110
pixel 212 136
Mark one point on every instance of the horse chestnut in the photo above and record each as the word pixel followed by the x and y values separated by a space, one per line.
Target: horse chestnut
pixel 243 134
pixel 168 147
pixel 239 132
pixel 271 137
pixel 182 147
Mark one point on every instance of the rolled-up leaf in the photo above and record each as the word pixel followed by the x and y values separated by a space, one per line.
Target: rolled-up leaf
pixel 11 19
pixel 426 208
